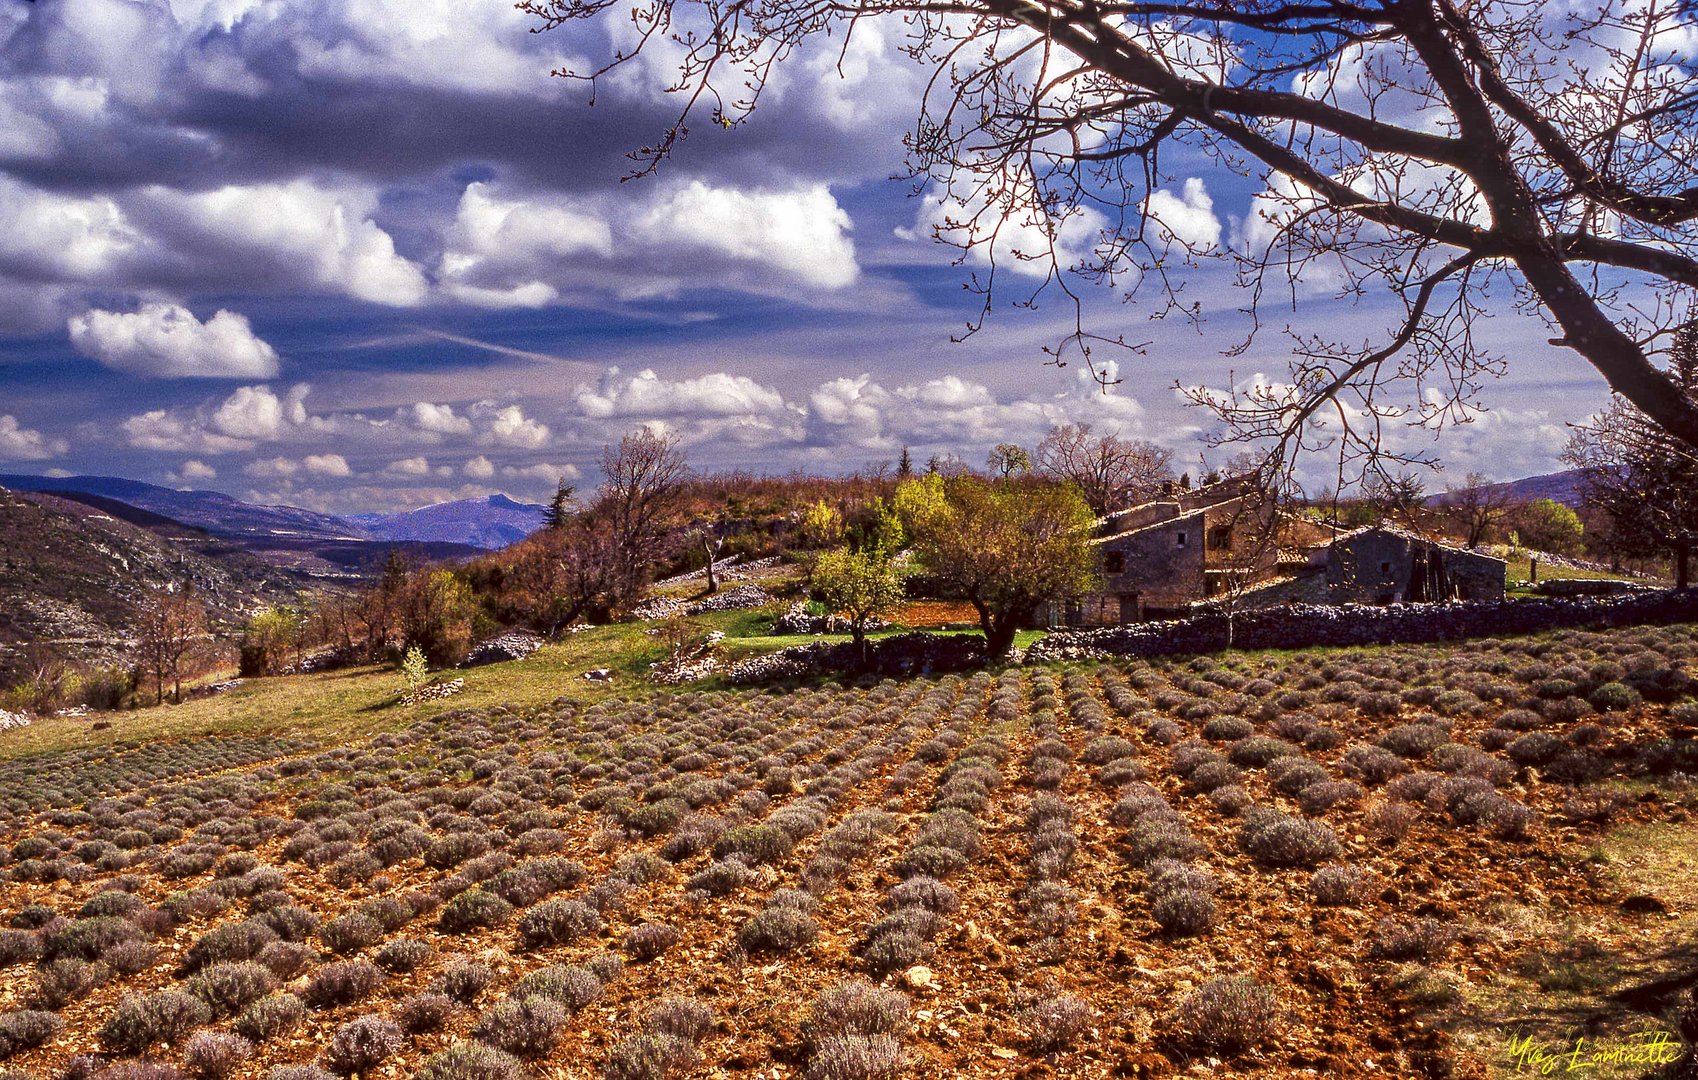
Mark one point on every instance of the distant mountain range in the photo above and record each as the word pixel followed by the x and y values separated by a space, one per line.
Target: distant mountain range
pixel 290 534
pixel 491 522
pixel 1566 487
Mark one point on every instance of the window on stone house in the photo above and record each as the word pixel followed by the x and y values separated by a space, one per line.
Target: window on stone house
pixel 1220 538
pixel 1385 567
pixel 1181 540
pixel 1114 562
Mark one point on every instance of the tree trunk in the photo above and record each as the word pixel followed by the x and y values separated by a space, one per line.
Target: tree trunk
pixel 1682 558
pixel 711 549
pixel 999 636
pixel 858 636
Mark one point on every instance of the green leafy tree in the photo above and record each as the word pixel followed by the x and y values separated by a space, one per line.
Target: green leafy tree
pixel 858 584
pixel 1008 546
pixel 1546 525
pixel 415 671
pixel 822 525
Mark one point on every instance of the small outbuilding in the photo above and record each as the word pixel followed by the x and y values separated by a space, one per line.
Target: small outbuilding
pixel 1383 564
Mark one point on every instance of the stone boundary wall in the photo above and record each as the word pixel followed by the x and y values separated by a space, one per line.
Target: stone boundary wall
pixel 1302 625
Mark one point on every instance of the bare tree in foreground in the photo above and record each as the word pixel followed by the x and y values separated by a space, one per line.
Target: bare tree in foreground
pixel 1434 150
pixel 170 631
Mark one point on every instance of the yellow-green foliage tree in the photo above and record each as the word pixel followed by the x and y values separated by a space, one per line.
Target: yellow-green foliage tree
pixel 1009 546
pixel 268 639
pixel 437 610
pixel 822 525
pixel 858 584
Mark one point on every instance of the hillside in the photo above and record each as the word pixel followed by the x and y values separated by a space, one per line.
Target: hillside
pixel 1563 487
pixel 491 522
pixel 1266 865
pixel 308 544
pixel 73 576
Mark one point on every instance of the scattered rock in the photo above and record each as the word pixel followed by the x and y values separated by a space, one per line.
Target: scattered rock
pixel 513 645
pixel 798 621
pixel 919 977
pixel 599 674
pixel 435 691
pixel 10 720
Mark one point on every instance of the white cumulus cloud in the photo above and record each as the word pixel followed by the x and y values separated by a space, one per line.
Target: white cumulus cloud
pixel 18 443
pixel 167 341
pixel 327 465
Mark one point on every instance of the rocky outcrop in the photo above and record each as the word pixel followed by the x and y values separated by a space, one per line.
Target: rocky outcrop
pixel 736 598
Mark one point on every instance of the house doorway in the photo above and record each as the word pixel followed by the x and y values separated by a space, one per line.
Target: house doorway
pixel 1129 608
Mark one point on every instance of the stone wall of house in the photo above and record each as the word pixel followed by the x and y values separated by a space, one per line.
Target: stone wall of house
pixel 1374 568
pixel 1162 573
pixel 1347 625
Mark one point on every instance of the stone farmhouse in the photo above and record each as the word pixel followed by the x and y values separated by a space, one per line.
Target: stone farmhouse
pixel 1185 547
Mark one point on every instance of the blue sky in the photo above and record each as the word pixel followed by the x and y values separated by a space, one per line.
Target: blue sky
pixel 363 255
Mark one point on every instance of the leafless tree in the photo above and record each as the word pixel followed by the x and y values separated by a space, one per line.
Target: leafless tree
pixel 1477 506
pixel 1443 152
pixel 641 497
pixel 1008 459
pixel 1112 472
pixel 170 631
pixel 1642 478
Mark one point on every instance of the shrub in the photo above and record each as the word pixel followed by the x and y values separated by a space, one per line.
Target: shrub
pixel 1184 912
pixel 894 951
pixel 60 982
pixel 290 922
pixel 213 1055
pixel 450 851
pixel 683 1017
pixel 756 843
pixel 857 1057
pixel 463 978
pixel 1228 728
pixel 648 940
pixel 525 1027
pixel 403 955
pixel 1055 1023
pixel 721 878
pixel 556 922
pixel 473 909
pixel 270 1017
pixel 350 933
pixel 776 930
pixel 129 958
pixel 299 1072
pixel 363 1043
pixel 1402 939
pixel 342 983
pixel 230 987
pixel 571 986
pixel 931 860
pixel 1535 748
pixel 1614 696
pixel 926 892
pixel 1336 886
pixel 856 1007
pixel 26 1029
pixel 1213 774
pixel 286 959
pixel 87 939
pixel 1290 775
pixel 18 946
pixel 423 1013
pixel 1414 740
pixel 1230 800
pixel 471 1061
pixel 650 1055
pixel 1372 764
pixel 1227 1016
pixel 1163 836
pixel 237 941
pixel 1318 798
pixel 1275 839
pixel 142 1020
